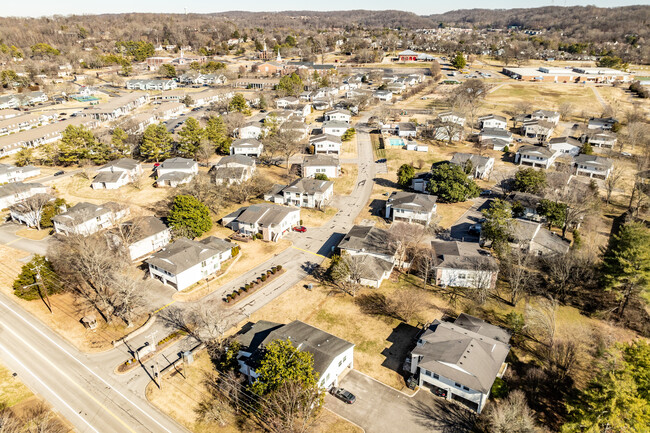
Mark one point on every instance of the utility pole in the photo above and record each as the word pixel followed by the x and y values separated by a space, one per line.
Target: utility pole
pixel 41 287
pixel 153 341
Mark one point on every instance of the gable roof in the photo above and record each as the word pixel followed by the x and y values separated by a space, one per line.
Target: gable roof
pixel 368 239
pixel 308 185
pixel 530 149
pixel 568 140
pixel 177 163
pixel 335 124
pixel 462 255
pixel 320 160
pixel 264 214
pixel 184 253
pixel 109 176
pixel 594 160
pixel 412 201
pixel 246 143
pixel 83 211
pixel 10 189
pixel 325 137
pixel 492 117
pixel 471 355
pixel 244 160
pixel 496 132
pixel 477 161
pixel 141 228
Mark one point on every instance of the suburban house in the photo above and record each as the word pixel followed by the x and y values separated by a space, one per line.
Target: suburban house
pixel 383 95
pixel 321 164
pixel 251 130
pixel 24 213
pixel 495 134
pixel 539 129
pixel 492 121
pixel 299 129
pixel 565 145
pixel 331 355
pixel 169 110
pixel 546 115
pixel 593 166
pixel 151 84
pixel 247 147
pixel 325 143
pixel 372 252
pixel 535 156
pixel 496 144
pixel 524 205
pixel 411 207
pixel 303 192
pixel 406 129
pixel 463 264
pixel 338 115
pixel 117 173
pixel 463 358
pixel 87 218
pixel 176 171
pixel 602 123
pixel 452 117
pixel 185 262
pixel 481 166
pixel 533 238
pixel 335 127
pixel 287 102
pixel 233 169
pixel 17 192
pixel 143 236
pixel 11 173
pixel 272 221
pixel 600 138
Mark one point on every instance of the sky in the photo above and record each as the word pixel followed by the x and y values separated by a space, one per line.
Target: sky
pixel 35 8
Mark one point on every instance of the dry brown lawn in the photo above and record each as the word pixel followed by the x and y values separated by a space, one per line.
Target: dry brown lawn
pixel 180 397
pixel 349 148
pixel 33 234
pixel 315 217
pixel 450 212
pixel 12 390
pixel 344 184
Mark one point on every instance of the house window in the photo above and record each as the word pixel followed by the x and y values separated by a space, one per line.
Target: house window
pixel 465 388
pixel 436 376
pixel 458 385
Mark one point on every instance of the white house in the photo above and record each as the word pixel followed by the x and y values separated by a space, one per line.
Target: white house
pixel 406 129
pixel 168 110
pixel 335 128
pixel 303 192
pixel 299 129
pixel 411 207
pixel 110 180
pixel 287 102
pixel 463 264
pixel 176 171
pixel 383 95
pixel 326 143
pixel 593 166
pixel 186 262
pixel 246 147
pixel 495 134
pixel 16 192
pixel 151 84
pixel 338 115
pixel 565 145
pixel 272 221
pixel 10 173
pixel 601 123
pixel 600 138
pixel 481 166
pixel 251 130
pixel 233 169
pixel 321 164
pixel 26 213
pixel 492 121
pixel 546 115
pixel 143 235
pixel 453 117
pixel 373 254
pixel 535 156
pixel 539 129
pixel 331 355
pixel 87 218
pixel 463 358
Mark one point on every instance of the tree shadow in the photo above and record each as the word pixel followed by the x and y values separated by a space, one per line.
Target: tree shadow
pixel 444 416
pixel 403 338
pixel 386 183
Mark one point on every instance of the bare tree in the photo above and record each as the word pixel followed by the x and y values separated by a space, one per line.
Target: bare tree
pixel 206 322
pixel 565 109
pixel 204 189
pixel 292 408
pixel 612 182
pixel 514 264
pixel 407 303
pixel 406 237
pixel 512 415
pixel 472 92
pixel 284 143
pixel 9 422
pixel 562 358
pixel 32 208
pixel 40 419
pixel 426 261
pixel 540 320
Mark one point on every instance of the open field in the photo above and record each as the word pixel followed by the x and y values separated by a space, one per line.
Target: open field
pixel 344 184
pixel 181 395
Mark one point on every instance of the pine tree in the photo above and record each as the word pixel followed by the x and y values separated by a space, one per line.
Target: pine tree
pixel 217 135
pixel 156 143
pixel 189 216
pixel 118 141
pixel 191 136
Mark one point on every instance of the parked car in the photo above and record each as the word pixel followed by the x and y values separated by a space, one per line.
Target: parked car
pixel 487 193
pixel 301 229
pixel 379 161
pixel 344 395
pixel 475 229
pixel 440 392
pixel 156 165
pixel 59 173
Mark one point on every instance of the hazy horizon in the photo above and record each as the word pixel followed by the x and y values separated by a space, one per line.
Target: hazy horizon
pixel 44 8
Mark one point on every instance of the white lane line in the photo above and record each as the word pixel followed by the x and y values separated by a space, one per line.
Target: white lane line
pixel 31 325
pixel 5 350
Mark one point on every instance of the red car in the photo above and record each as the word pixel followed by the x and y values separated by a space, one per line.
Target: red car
pixel 301 229
pixel 157 164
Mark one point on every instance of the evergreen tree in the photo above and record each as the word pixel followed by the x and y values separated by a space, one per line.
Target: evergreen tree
pixel 459 61
pixel 530 180
pixel 451 184
pixel 290 85
pixel 76 144
pixel 238 104
pixel 497 224
pixel 189 217
pixel 217 135
pixel 118 141
pixel 191 135
pixel 27 285
pixel 405 175
pixel 50 210
pixel 156 143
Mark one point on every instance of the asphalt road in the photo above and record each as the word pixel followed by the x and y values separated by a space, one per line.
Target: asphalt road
pixel 8 237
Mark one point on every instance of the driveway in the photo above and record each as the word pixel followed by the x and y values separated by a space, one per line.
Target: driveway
pixel 459 231
pixel 8 237
pixel 382 409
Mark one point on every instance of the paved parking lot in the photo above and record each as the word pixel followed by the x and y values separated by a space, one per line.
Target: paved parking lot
pixel 382 409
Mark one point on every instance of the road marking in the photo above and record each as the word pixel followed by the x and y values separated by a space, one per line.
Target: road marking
pixel 82 389
pixel 13 241
pixel 163 307
pixel 31 325
pixel 5 350
pixel 307 251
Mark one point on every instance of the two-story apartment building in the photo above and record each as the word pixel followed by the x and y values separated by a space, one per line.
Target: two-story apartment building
pixel 338 115
pixel 141 236
pixel 117 173
pixel 185 262
pixel 87 218
pixel 321 164
pixel 251 130
pixel 272 221
pixel 303 192
pixel 463 358
pixel 335 127
pixel 176 171
pixel 481 166
pixel 233 169
pixel 535 156
pixel 326 143
pixel 492 121
pixel 593 166
pixel 11 173
pixel 16 192
pixel 565 145
pixel 411 207
pixel 247 147
pixel 462 264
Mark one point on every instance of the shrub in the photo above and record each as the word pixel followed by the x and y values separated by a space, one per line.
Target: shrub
pixel 279 267
pixel 506 149
pixel 247 286
pixel 264 277
pixel 499 388
pixel 235 251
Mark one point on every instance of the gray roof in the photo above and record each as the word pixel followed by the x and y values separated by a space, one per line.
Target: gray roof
pixel 320 160
pixel 123 164
pixel 533 233
pixel 10 189
pixel 530 149
pixel 477 161
pixel 325 137
pixel 492 116
pixel 412 201
pixel 569 140
pixel 226 161
pixel 246 142
pixel 308 185
pixel 466 351
pixel 138 229
pixel 108 176
pixel 373 267
pixel 369 239
pixel 82 212
pixel 184 253
pixel 177 163
pixel 323 346
pixel 594 161
pixel 462 255
pixel 177 176
pixel 496 132
pixel 228 173
pixel 335 124
pixel 526 199
pixel 338 111
pixel 264 214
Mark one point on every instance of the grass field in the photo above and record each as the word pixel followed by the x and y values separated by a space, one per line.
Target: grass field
pixel 344 184
pixel 315 217
pixel 12 390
